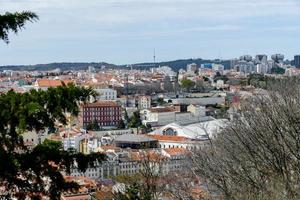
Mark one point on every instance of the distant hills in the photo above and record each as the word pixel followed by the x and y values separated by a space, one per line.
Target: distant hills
pixel 182 63
pixel 175 65
pixel 63 66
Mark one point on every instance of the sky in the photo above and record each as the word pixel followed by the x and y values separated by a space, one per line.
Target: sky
pixel 128 31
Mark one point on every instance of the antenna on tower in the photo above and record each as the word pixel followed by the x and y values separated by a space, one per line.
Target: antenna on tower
pixel 154 58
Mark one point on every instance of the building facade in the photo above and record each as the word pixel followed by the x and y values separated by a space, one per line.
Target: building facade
pixel 297 61
pixel 104 113
pixel 144 102
pixel 106 94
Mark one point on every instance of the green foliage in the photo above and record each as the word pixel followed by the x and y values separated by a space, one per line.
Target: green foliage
pixel 121 125
pixel 94 126
pixel 205 78
pixel 161 101
pixel 259 81
pixel 21 169
pixel 14 22
pixel 135 120
pixel 278 70
pixel 52 144
pixel 187 84
pixel 146 129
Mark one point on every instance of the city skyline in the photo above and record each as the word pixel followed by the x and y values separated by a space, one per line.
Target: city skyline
pixel 127 31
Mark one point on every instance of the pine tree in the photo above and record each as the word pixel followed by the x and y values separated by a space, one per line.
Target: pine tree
pixel 26 173
pixel 14 22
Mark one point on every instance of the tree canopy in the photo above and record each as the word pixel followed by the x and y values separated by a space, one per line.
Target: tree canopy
pixel 135 120
pixel 26 173
pixel 187 84
pixel 257 156
pixel 14 22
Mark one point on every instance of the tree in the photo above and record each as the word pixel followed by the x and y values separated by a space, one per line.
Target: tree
pixel 121 125
pixel 26 173
pixel 187 84
pixel 257 156
pixel 14 22
pixel 131 192
pixel 161 101
pixel 278 70
pixel 146 185
pixel 146 129
pixel 93 126
pixel 135 120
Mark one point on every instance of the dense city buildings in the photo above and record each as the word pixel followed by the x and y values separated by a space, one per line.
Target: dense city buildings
pixel 162 112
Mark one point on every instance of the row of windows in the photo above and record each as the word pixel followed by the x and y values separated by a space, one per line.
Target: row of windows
pixel 129 166
pixel 101 109
pixel 104 123
pixel 108 93
pixel 111 118
pixel 178 146
pixel 102 113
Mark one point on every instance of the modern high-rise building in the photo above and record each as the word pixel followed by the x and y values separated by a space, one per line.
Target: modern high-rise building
pixel 261 59
pixel 191 67
pixel 297 61
pixel 278 58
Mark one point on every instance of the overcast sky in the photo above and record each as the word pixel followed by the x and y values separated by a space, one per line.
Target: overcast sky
pixel 127 31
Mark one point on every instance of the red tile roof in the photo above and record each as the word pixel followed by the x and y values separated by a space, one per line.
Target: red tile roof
pixel 101 104
pixel 52 83
pixel 176 151
pixel 160 110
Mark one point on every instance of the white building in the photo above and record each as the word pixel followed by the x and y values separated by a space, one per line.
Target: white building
pixel 217 67
pixel 173 141
pixel 81 142
pixel 144 102
pixel 197 131
pixel 191 68
pixel 106 94
pixel 129 162
pixel 199 101
pixel 161 116
pixel 32 138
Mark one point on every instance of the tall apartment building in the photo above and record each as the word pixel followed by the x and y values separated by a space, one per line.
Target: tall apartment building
pixel 191 67
pixel 297 61
pixel 105 113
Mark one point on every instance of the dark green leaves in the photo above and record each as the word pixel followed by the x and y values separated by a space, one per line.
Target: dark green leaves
pixel 14 22
pixel 29 173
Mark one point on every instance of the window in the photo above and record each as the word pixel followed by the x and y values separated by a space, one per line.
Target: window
pixel 169 131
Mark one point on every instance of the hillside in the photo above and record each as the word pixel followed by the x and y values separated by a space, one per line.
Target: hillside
pixel 182 63
pixel 175 65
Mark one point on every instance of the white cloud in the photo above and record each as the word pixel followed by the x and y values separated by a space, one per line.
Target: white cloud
pixel 135 11
pixel 147 23
pixel 146 18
